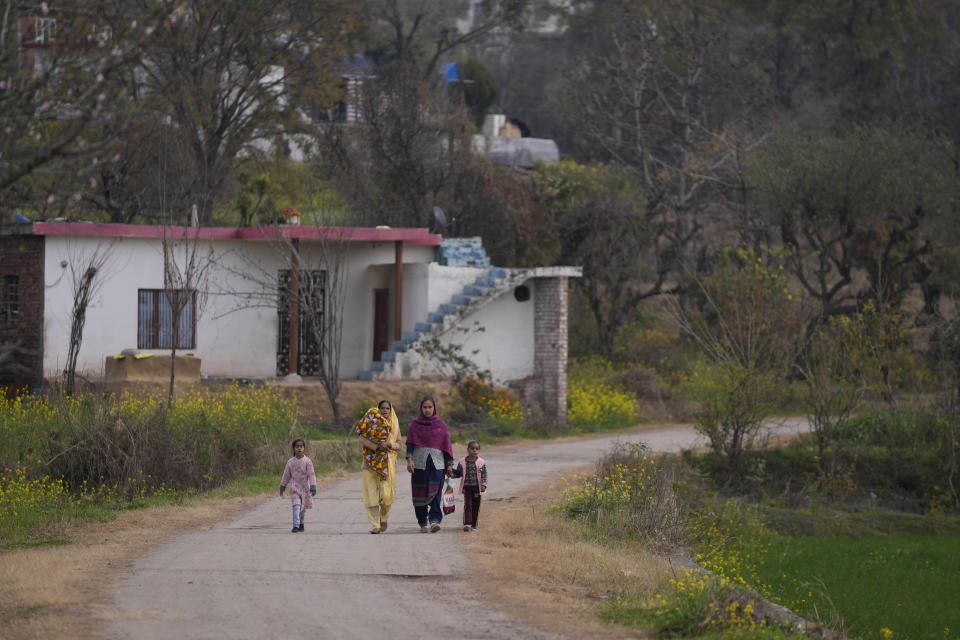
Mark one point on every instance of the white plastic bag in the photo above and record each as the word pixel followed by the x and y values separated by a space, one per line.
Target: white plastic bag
pixel 448 500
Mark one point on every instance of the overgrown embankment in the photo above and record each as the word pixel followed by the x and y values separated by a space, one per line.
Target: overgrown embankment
pixel 88 456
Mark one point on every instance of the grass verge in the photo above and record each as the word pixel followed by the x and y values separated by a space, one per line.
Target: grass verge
pixel 535 565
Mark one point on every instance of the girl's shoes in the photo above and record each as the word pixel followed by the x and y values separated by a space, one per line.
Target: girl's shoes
pixel 295 530
pixel 300 528
pixel 383 527
pixel 434 527
pixel 466 527
pixel 424 529
pixel 375 530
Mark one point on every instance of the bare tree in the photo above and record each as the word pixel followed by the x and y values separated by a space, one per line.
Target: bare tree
pixel 186 265
pixel 420 32
pixel 749 329
pixel 310 292
pixel 323 302
pixel 63 101
pixel 88 274
pixel 652 90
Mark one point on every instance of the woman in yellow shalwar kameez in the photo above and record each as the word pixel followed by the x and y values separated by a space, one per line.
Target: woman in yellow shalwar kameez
pixel 379 432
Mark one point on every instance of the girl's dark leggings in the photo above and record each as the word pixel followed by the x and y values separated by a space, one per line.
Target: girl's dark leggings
pixel 471 506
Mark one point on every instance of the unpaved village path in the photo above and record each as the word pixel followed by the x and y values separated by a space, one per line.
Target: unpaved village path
pixel 251 578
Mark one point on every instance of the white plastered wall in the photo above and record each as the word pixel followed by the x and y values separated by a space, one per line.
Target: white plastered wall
pixel 446 282
pixel 237 328
pixel 506 346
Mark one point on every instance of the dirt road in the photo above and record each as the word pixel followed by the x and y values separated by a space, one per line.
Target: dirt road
pixel 252 578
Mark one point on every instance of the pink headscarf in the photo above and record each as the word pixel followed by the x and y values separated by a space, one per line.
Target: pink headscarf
pixel 430 432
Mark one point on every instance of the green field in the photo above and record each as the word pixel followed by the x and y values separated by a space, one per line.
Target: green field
pixel 882 587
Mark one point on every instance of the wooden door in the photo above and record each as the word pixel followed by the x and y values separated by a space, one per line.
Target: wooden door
pixel 381 322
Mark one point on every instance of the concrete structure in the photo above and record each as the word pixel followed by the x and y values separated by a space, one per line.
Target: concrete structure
pixel 239 325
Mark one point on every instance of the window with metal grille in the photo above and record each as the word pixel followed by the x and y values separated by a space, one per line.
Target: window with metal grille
pixel 155 318
pixel 11 298
pixel 44 29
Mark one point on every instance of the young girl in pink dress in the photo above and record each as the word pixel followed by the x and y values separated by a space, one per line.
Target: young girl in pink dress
pixel 298 475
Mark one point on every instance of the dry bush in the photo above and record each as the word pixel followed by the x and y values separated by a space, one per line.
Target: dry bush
pixel 339 453
pixel 642 381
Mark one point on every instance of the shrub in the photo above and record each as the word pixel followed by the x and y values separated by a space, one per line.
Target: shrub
pixel 362 407
pixel 589 369
pixel 483 403
pixel 641 381
pixel 595 405
pixel 630 496
pixel 130 442
pixel 748 326
pixel 733 401
pixel 693 604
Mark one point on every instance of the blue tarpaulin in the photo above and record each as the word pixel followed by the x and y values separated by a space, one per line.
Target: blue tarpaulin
pixel 451 72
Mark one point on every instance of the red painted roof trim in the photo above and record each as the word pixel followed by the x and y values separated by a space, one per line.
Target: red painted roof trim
pixel 408 235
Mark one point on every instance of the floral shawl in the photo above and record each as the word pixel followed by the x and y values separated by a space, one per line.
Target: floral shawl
pixel 374 427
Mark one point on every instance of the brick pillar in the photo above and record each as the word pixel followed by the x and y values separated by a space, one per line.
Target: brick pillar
pixel 550 345
pixel 21 318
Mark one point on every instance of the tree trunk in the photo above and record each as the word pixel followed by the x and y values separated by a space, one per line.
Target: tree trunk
pixel 76 328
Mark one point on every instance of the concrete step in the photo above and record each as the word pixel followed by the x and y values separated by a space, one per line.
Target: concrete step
pixel 496 272
pixel 388 356
pixel 447 309
pixel 460 301
pixel 399 346
pixel 435 318
pixel 376 366
pixel 475 292
pixel 423 327
pixel 410 336
pixel 485 281
pixel 365 376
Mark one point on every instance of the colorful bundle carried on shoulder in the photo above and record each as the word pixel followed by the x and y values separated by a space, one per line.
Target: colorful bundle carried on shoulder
pixel 374 427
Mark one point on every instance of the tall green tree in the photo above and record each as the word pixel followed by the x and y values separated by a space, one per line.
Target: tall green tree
pixel 852 211
pixel 479 87
pixel 235 76
pixel 600 221
pixel 859 55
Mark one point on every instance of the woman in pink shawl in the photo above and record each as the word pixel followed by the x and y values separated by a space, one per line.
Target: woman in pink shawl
pixel 429 458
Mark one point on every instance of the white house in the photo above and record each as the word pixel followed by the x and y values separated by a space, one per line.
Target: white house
pixel 236 322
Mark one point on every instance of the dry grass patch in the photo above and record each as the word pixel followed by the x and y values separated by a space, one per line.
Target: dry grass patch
pixel 532 564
